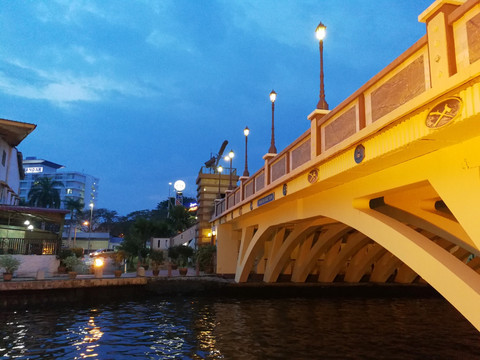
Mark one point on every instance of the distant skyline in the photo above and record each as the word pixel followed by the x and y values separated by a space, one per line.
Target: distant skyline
pixel 140 94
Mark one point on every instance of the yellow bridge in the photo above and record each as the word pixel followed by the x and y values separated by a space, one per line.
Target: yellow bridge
pixel 385 187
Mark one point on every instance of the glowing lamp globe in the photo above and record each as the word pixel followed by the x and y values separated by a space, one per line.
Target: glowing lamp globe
pixel 179 185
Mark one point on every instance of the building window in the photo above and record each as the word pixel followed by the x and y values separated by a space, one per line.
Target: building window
pixel 4 157
pixel 69 191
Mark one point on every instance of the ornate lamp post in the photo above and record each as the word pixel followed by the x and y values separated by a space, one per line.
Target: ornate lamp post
pixel 219 170
pixel 230 157
pixel 90 226
pixel 246 131
pixel 320 33
pixel 273 149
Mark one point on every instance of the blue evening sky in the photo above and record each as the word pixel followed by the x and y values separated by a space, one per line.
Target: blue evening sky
pixel 141 93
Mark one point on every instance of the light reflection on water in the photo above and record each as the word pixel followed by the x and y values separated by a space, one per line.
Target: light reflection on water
pixel 197 328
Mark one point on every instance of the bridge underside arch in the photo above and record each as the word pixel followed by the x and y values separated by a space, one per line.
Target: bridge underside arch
pixel 412 222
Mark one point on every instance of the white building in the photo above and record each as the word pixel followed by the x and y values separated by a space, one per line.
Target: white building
pixel 11 134
pixel 76 185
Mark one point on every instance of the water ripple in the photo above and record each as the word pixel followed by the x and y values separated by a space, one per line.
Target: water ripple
pixel 199 328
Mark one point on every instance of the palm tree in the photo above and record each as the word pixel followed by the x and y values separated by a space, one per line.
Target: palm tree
pixel 75 206
pixel 180 219
pixel 107 218
pixel 44 193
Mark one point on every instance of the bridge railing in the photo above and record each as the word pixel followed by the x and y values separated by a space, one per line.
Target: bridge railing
pixel 421 73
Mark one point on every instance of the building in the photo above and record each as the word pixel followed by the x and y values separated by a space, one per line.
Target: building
pixel 211 188
pixel 76 185
pixel 24 230
pixel 12 133
pixel 90 241
pixel 160 243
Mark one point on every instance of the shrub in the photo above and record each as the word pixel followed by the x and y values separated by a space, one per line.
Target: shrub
pixel 78 252
pixel 9 263
pixel 205 257
pixel 156 257
pixel 180 254
pixel 64 253
pixel 71 262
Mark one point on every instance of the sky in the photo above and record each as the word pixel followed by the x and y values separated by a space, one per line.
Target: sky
pixel 142 93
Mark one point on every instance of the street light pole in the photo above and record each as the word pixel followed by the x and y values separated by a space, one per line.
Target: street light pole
pixel 90 226
pixel 320 33
pixel 219 170
pixel 246 131
pixel 230 157
pixel 273 149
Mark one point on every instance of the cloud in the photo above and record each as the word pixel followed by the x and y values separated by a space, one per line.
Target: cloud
pixel 84 54
pixel 278 20
pixel 63 87
pixel 67 11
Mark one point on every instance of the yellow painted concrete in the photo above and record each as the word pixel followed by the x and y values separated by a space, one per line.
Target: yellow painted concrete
pixel 407 212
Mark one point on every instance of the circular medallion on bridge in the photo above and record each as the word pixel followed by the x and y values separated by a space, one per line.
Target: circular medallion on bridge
pixel 359 153
pixel 443 113
pixel 284 190
pixel 313 176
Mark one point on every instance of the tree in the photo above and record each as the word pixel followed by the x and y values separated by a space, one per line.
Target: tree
pixel 75 206
pixel 44 193
pixel 180 219
pixel 135 242
pixel 164 207
pixel 106 218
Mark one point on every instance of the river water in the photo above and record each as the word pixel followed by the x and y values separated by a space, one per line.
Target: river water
pixel 242 328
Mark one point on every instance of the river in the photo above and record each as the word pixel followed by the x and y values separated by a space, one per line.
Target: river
pixel 242 328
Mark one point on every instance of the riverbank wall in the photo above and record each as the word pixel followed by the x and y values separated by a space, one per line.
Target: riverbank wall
pixel 87 291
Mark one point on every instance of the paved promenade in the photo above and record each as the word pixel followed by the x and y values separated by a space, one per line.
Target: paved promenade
pixel 62 281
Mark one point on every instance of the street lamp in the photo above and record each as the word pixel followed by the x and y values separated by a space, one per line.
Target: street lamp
pixel 273 149
pixel 230 157
pixel 90 226
pixel 85 223
pixel 246 131
pixel 219 170
pixel 320 33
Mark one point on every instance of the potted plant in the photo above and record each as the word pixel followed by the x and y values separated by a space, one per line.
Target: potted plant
pixel 71 262
pixel 143 258
pixel 205 257
pixel 156 259
pixel 10 264
pixel 119 260
pixel 62 255
pixel 173 256
pixel 184 253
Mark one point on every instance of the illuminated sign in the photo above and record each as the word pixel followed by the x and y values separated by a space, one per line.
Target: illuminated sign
pixel 193 207
pixel 34 170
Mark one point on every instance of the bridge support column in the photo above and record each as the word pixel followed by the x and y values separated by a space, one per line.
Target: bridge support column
pixel 227 249
pixel 333 233
pixel 332 264
pixel 459 284
pixel 461 194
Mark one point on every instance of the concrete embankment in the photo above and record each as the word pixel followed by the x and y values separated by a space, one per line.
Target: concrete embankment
pixel 52 292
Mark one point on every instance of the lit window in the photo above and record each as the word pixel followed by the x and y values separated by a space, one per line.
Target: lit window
pixel 69 191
